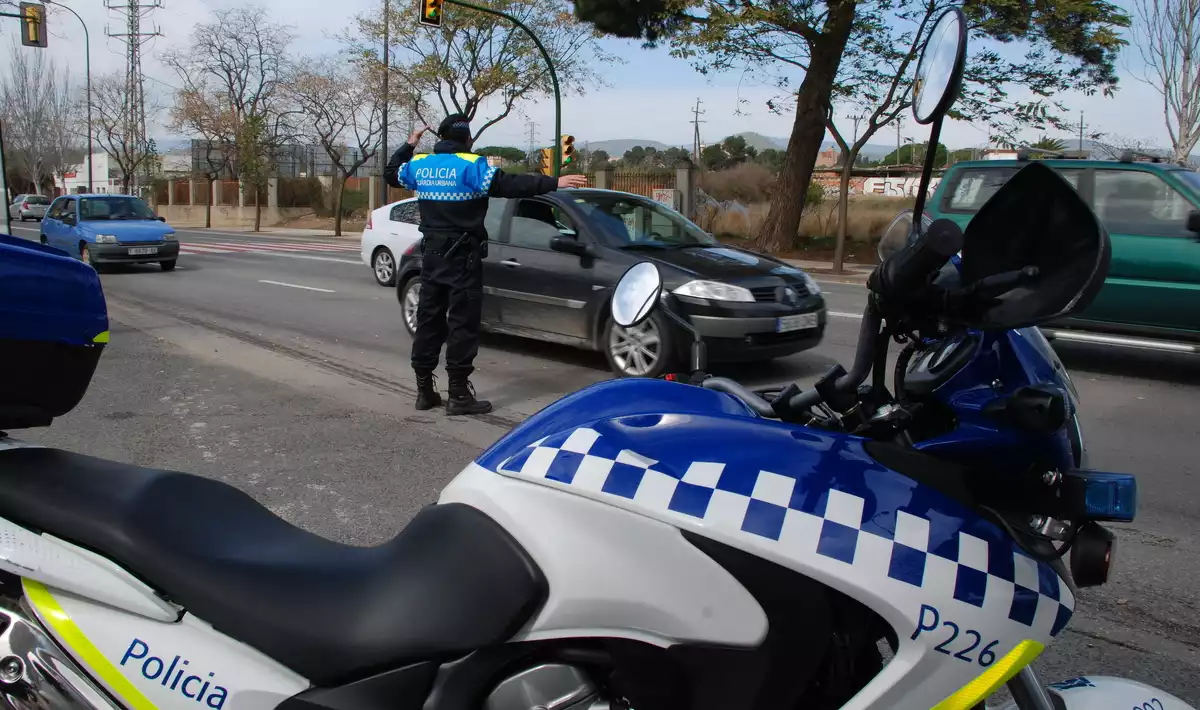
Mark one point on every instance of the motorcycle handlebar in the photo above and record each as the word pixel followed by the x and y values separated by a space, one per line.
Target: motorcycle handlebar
pixel 864 358
pixel 722 384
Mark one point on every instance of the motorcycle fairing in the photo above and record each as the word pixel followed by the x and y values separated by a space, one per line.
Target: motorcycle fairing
pixel 953 586
pixel 1103 692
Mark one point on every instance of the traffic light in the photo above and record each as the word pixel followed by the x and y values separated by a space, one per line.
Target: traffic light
pixel 567 149
pixel 33 24
pixel 546 161
pixel 431 13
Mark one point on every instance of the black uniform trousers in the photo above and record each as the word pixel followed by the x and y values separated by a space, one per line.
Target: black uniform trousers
pixel 449 310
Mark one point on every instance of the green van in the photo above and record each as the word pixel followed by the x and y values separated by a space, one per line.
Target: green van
pixel 1152 212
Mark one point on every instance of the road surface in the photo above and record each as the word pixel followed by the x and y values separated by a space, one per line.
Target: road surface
pixel 278 364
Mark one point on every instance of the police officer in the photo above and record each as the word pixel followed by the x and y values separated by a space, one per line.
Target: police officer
pixel 453 186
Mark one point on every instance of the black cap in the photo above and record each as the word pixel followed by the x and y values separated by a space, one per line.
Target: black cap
pixel 455 127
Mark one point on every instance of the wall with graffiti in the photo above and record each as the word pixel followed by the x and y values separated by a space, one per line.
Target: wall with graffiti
pixel 901 185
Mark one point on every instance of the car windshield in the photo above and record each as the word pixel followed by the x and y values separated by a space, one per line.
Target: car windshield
pixel 108 208
pixel 639 222
pixel 37 200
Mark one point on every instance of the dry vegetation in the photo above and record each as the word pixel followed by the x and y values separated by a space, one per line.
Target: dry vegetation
pixel 751 186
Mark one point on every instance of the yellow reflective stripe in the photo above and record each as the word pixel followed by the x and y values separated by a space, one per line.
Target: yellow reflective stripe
pixel 469 157
pixel 53 614
pixel 102 338
pixel 990 680
pixel 419 156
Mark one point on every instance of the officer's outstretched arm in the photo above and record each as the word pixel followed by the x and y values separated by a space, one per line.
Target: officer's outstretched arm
pixel 497 183
pixel 395 173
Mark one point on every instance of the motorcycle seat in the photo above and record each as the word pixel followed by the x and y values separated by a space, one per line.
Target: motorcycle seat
pixel 452 581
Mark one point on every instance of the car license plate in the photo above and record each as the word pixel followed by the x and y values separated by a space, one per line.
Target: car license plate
pixel 787 324
pixel 142 251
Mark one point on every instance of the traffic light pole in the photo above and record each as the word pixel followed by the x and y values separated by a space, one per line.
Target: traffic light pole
pixel 549 65
pixel 87 62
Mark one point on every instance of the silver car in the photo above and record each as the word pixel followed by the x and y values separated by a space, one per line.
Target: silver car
pixel 28 207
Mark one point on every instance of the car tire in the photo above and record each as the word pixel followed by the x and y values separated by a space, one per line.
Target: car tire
pixel 383 264
pixel 43 240
pixel 167 265
pixel 409 296
pixel 648 350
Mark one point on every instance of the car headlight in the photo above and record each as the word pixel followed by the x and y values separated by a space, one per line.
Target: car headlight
pixel 169 237
pixel 811 285
pixel 715 291
pixel 106 239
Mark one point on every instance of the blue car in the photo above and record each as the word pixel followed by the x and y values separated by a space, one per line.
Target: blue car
pixel 110 229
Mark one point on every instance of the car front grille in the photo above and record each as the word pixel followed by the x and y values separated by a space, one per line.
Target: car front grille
pixel 764 294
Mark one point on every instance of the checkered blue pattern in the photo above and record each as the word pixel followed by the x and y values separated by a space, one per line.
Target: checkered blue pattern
pixel 450 196
pixel 920 551
pixel 489 174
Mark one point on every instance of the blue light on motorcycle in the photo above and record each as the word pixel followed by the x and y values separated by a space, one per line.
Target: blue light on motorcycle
pixel 1100 496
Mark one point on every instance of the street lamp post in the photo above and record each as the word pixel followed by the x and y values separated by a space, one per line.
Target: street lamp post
pixel 87 62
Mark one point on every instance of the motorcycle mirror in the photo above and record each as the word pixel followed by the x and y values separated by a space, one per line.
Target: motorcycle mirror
pixel 937 84
pixel 636 294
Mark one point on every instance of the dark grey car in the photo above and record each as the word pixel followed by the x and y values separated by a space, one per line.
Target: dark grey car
pixel 554 260
pixel 28 207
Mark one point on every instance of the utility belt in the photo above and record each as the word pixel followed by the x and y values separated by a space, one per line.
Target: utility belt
pixel 450 244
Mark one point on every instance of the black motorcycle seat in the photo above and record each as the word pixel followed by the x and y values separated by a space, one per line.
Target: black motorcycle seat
pixel 452 581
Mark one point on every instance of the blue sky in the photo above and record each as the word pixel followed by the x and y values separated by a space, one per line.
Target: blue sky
pixel 651 96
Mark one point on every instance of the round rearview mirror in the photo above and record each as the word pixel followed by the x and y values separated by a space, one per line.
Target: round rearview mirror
pixel 899 233
pixel 636 294
pixel 939 72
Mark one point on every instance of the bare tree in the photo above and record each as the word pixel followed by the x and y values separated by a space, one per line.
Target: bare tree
pixel 232 93
pixel 66 128
pixel 115 133
pixel 1168 36
pixel 1113 146
pixel 26 96
pixel 343 110
pixel 199 111
pixel 476 57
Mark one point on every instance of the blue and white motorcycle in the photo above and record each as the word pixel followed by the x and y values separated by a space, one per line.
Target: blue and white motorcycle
pixel 642 544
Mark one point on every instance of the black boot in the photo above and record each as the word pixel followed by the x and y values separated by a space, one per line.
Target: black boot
pixel 427 394
pixel 462 398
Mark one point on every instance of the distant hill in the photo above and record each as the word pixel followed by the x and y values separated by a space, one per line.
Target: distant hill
pixel 616 148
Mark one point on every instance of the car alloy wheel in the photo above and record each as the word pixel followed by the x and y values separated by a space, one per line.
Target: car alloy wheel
pixel 636 351
pixel 412 299
pixel 385 267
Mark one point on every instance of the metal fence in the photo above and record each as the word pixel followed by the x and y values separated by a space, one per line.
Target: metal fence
pixel 642 183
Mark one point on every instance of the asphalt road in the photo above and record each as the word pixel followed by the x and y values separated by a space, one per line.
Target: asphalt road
pixel 278 365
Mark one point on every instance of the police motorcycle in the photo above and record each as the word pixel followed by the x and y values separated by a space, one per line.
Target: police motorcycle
pixel 639 544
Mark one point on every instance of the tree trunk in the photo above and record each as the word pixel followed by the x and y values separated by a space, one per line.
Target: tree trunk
pixel 208 203
pixel 839 249
pixel 257 210
pixel 808 130
pixel 337 205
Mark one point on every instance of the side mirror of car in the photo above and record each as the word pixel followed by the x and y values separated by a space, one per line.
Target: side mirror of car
pixel 567 245
pixel 1193 223
pixel 160 218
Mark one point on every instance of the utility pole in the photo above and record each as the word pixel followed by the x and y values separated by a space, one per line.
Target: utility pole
pixel 383 149
pixel 857 120
pixel 696 113
pixel 133 37
pixel 898 122
pixel 1081 130
pixel 530 156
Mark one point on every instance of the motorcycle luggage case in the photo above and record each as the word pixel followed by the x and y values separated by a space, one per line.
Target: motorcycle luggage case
pixel 53 327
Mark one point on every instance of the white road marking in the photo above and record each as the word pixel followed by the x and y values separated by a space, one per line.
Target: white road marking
pixel 855 316
pixel 306 288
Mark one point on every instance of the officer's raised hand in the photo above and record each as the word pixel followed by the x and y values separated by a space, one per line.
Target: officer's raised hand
pixel 416 135
pixel 572 181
